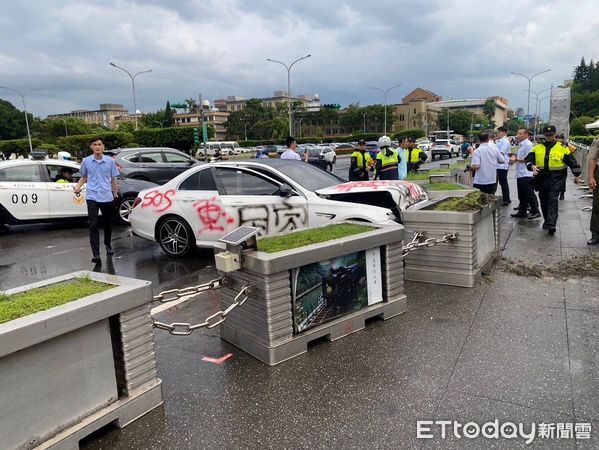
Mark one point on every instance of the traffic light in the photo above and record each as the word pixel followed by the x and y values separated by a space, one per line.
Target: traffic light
pixel 196 135
pixel 332 106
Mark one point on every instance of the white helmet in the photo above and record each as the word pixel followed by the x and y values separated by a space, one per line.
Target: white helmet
pixel 384 141
pixel 64 156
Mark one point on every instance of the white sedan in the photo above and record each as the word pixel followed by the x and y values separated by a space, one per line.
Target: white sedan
pixel 29 192
pixel 207 201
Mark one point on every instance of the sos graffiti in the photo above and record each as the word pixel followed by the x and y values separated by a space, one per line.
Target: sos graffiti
pixel 158 201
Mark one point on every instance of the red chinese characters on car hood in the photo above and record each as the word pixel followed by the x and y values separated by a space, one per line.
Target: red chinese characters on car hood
pixel 404 193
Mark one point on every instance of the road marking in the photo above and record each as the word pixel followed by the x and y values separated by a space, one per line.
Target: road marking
pixel 168 305
pixel 220 360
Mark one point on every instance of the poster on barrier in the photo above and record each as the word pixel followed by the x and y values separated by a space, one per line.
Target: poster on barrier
pixel 326 290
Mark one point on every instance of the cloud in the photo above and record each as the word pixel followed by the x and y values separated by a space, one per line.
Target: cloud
pixel 456 48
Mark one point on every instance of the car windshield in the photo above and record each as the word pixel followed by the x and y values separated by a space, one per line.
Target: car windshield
pixel 310 177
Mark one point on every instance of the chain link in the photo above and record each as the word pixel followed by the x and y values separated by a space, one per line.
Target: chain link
pixel 185 329
pixel 415 243
pixel 175 294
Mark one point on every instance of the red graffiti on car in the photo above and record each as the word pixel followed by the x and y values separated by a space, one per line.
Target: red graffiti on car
pixel 212 215
pixel 157 200
pixel 347 187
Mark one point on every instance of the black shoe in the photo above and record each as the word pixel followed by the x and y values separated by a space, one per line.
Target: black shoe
pixel 534 216
pixel 519 215
pixel 552 231
pixel 545 226
pixel 97 260
pixel 109 250
pixel 517 208
pixel 561 196
pixel 593 241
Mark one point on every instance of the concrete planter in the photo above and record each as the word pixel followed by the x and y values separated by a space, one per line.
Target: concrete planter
pixel 439 195
pixel 451 176
pixel 266 326
pixel 71 369
pixel 456 263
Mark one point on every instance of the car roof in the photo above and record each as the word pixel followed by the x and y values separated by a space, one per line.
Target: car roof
pixel 17 162
pixel 147 149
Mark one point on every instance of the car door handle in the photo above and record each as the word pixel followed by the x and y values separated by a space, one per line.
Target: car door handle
pixel 187 199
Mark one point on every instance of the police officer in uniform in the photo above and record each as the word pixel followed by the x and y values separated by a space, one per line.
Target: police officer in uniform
pixel 387 161
pixel 415 157
pixel 361 163
pixel 549 161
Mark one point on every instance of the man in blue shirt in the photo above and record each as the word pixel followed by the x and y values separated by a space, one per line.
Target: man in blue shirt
pixel 99 172
pixel 526 192
pixel 403 162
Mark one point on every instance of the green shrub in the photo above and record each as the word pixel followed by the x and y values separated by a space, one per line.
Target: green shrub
pixel 18 146
pixel 410 134
pixel 79 145
pixel 585 140
pixel 132 145
pixel 180 138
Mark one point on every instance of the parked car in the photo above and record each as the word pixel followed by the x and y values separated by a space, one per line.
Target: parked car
pixel 372 147
pixel 424 144
pixel 321 157
pixel 201 205
pixel 29 192
pixel 346 148
pixel 154 164
pixel 444 147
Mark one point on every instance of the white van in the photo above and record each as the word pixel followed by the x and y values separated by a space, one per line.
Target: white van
pixel 225 148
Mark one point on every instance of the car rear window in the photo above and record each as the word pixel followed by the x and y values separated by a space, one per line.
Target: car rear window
pixel 176 158
pixel 202 180
pixel 150 158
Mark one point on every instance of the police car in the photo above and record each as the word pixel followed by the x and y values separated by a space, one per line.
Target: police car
pixel 31 191
pixel 199 206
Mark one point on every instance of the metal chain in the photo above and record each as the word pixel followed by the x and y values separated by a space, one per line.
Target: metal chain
pixel 415 243
pixel 175 294
pixel 185 329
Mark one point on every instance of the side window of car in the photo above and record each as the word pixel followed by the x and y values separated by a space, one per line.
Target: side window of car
pixel 176 158
pixel 150 158
pixel 55 173
pixel 27 173
pixel 238 182
pixel 202 180
pixel 133 157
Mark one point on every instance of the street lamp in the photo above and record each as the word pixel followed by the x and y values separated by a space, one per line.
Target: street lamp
pixel 539 108
pixel 24 110
pixel 529 80
pixel 300 126
pixel 364 120
pixel 133 84
pixel 288 67
pixel 385 92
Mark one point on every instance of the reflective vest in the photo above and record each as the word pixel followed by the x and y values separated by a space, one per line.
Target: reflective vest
pixel 388 162
pixel 360 157
pixel 555 161
pixel 414 155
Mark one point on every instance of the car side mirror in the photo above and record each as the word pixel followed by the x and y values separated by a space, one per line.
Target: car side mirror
pixel 285 191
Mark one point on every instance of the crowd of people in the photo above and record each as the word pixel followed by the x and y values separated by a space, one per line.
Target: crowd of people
pixel 541 169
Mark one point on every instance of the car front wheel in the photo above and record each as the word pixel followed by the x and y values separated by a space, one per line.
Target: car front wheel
pixel 175 237
pixel 125 208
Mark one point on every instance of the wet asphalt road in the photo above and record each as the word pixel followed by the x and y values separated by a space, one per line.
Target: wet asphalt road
pixel 30 253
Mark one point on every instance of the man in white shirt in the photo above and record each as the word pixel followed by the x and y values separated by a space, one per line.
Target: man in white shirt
pixel 484 162
pixel 290 152
pixel 503 144
pixel 526 193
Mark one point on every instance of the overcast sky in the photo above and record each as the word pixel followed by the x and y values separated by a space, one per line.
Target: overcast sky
pixel 455 48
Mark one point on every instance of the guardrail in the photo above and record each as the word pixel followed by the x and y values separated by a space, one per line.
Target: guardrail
pixel 582 157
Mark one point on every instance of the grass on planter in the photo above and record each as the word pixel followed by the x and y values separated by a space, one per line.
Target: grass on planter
pixel 40 299
pixel 475 201
pixel 297 239
pixel 444 187
pixel 417 176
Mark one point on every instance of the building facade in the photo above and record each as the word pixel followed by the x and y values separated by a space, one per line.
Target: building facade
pixel 475 105
pixel 213 117
pixel 109 115
pixel 237 103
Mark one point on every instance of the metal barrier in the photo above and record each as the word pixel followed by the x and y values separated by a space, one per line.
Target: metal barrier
pixel 582 157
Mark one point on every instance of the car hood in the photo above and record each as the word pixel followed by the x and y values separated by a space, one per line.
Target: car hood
pixel 404 193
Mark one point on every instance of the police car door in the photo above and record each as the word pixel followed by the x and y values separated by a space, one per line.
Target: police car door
pixel 63 201
pixel 23 191
pixel 254 199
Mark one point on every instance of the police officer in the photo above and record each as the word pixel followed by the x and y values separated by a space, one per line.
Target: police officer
pixel 387 161
pixel 361 163
pixel 549 160
pixel 415 157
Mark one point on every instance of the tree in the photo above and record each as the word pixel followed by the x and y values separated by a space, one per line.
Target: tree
pixel 577 125
pixel 248 119
pixel 462 121
pixel 489 110
pixel 191 104
pixel 169 115
pixel 12 122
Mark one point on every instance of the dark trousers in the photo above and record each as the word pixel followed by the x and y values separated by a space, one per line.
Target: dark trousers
pixel 527 196
pixel 94 234
pixel 549 184
pixel 505 188
pixel 413 167
pixel 486 188
pixel 595 212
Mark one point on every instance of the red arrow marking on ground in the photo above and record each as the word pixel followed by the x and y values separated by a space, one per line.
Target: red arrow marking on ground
pixel 220 360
